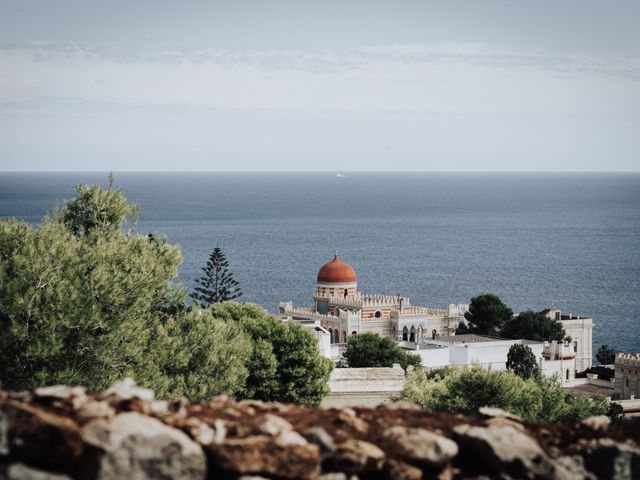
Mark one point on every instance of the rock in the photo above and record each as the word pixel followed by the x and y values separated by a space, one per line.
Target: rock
pixel 608 459
pixel 92 409
pixel 198 430
pixel 355 456
pixel 570 467
pixel 4 434
pixel 422 447
pixel 134 446
pixel 274 425
pixel 398 470
pixel 502 450
pixel 265 455
pixel 127 389
pixel 598 423
pixel 28 429
pixel 334 476
pixel 73 396
pixel 321 438
pixel 493 412
pixel 502 421
pixel 20 471
pixel 349 418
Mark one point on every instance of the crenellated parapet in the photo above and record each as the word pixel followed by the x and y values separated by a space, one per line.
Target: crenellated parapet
pixel 627 359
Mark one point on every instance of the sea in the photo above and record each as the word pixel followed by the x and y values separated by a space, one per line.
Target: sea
pixel 537 240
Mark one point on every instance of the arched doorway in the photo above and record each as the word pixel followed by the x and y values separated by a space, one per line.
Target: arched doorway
pixel 412 334
pixel 405 334
pixel 344 336
pixel 336 336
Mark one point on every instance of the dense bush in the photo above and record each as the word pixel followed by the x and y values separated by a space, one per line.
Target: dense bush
pixel 466 389
pixel 533 326
pixel 86 300
pixel 372 350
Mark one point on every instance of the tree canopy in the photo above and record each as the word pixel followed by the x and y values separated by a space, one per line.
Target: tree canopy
pixel 486 315
pixel 533 326
pixel 522 361
pixel 606 355
pixel 85 301
pixel 217 284
pixel 372 350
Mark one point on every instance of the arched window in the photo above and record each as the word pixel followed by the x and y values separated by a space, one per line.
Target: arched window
pixel 331 334
pixel 336 336
pixel 433 333
pixel 344 336
pixel 354 333
pixel 405 334
pixel 567 374
pixel 412 334
pixel 346 292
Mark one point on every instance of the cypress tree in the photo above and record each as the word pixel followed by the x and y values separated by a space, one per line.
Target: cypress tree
pixel 217 284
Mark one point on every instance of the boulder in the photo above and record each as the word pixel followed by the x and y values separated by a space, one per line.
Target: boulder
pixel 38 437
pixel 598 423
pixel 321 438
pixel 399 470
pixel 502 450
pixel 285 456
pixel 355 456
pixel 20 471
pixel 134 446
pixel 127 389
pixel 609 459
pixel 420 446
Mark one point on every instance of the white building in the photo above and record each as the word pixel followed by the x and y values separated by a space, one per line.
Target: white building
pixel 580 329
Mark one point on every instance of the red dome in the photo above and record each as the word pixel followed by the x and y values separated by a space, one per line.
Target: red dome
pixel 337 271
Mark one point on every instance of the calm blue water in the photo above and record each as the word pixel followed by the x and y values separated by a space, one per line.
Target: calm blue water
pixel 569 240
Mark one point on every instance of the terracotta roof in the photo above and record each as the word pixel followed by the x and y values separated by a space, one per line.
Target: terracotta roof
pixel 337 271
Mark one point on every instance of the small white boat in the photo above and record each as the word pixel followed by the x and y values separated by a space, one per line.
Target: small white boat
pixel 339 175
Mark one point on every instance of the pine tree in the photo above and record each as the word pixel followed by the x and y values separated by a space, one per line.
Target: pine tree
pixel 217 284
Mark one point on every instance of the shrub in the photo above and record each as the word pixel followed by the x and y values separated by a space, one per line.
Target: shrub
pixel 466 389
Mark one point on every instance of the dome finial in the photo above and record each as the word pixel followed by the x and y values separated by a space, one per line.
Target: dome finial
pixel 337 254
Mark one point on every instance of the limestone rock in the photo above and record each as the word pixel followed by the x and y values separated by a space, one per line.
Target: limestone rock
pixel 4 434
pixel 73 396
pixel 398 470
pixel 39 437
pixel 355 456
pixel 570 467
pixel 265 455
pixel 274 425
pixel 494 412
pixel 503 450
pixel 321 438
pixel 127 389
pixel 421 446
pixel 134 446
pixel 20 471
pixel 608 459
pixel 599 423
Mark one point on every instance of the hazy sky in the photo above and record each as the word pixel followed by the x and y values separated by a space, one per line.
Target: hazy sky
pixel 319 85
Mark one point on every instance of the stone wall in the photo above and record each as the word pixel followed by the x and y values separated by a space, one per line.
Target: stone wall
pixel 58 433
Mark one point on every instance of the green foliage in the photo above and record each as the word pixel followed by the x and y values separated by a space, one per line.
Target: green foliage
pixel 372 350
pixel 217 284
pixel 201 356
pixel 285 364
pixel 606 355
pixel 522 361
pixel 79 297
pixel 465 390
pixel 82 301
pixel 487 314
pixel 533 326
pixel 615 412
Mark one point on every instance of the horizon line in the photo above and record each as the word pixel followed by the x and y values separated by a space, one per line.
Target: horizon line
pixel 331 171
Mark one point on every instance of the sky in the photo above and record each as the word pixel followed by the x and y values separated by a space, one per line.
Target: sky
pixel 344 85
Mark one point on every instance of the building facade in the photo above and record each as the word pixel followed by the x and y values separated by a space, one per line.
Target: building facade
pixel 343 310
pixel 626 385
pixel 580 329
